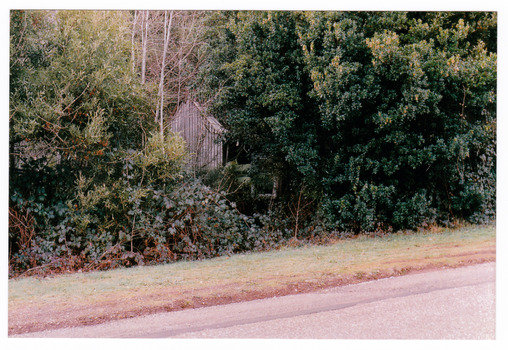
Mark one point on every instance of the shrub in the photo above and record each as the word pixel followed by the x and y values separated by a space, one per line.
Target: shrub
pixel 380 114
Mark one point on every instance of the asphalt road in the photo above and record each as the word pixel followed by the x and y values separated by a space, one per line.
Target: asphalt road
pixel 443 304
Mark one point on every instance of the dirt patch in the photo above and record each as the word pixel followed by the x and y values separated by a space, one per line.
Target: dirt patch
pixel 33 318
pixel 465 257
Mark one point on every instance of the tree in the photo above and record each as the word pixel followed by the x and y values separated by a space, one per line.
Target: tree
pixel 167 36
pixel 389 117
pixel 258 70
pixel 395 98
pixel 84 102
pixel 170 54
pixel 83 149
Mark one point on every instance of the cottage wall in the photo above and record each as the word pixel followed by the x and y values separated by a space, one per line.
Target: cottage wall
pixel 201 134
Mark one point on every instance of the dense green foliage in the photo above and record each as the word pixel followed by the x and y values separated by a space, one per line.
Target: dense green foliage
pixel 344 122
pixel 264 102
pixel 93 184
pixel 388 119
pixel 75 132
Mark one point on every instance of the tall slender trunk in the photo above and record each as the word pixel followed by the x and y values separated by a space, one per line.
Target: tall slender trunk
pixel 133 52
pixel 167 35
pixel 144 41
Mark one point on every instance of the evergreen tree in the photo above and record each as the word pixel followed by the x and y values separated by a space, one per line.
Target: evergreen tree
pixel 390 116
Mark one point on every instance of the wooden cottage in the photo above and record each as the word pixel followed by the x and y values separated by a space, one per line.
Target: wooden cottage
pixel 201 133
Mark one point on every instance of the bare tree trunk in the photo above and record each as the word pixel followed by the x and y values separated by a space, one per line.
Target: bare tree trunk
pixel 179 81
pixel 144 41
pixel 170 63
pixel 167 35
pixel 133 52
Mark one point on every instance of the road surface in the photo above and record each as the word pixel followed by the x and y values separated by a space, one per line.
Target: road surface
pixel 443 304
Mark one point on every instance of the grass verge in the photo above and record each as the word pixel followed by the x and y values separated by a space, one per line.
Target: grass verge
pixel 90 298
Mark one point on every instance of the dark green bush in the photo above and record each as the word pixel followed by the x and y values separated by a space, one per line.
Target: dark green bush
pixel 387 117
